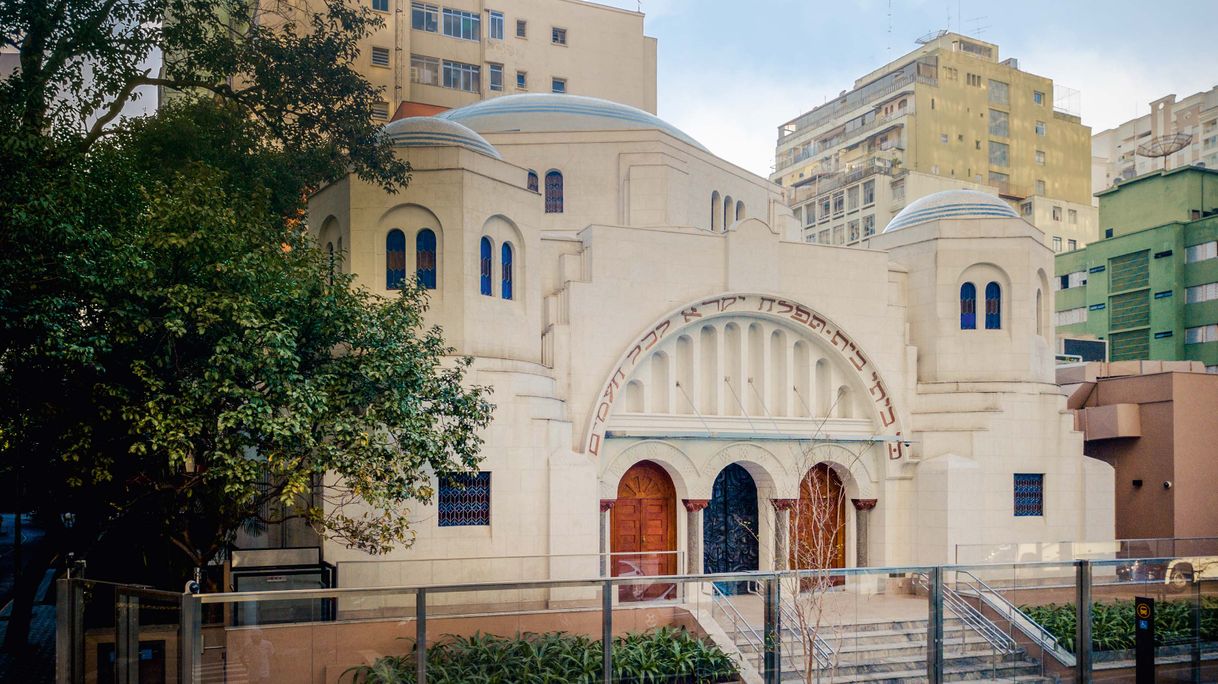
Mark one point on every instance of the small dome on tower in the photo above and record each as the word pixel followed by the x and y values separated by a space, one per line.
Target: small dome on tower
pixel 429 131
pixel 951 204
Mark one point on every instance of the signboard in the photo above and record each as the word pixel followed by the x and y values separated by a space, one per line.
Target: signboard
pixel 1144 639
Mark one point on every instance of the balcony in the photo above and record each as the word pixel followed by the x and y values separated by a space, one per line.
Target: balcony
pixel 829 111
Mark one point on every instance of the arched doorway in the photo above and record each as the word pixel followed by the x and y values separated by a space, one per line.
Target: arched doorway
pixel 818 523
pixel 644 522
pixel 729 525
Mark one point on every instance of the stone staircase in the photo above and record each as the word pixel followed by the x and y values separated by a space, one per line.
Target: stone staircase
pixel 894 652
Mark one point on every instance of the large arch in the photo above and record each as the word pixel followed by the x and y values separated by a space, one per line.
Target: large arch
pixel 680 467
pixel 872 398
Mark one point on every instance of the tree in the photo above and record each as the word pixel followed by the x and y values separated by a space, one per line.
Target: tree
pixel 174 350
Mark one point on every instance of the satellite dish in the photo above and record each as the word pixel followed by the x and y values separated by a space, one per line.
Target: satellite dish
pixel 1164 146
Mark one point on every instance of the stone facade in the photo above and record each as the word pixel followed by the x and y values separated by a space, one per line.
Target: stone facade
pixel 672 313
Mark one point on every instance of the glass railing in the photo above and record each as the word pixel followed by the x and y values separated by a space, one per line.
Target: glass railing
pixel 978 622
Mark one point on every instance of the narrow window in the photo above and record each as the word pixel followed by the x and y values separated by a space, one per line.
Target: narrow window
pixel 558 85
pixel 505 287
pixel 395 259
pixel 553 192
pixel 532 182
pixel 522 80
pixel 716 222
pixel 496 25
pixel 522 28
pixel 496 71
pixel 425 258
pixel 484 266
pixel 558 36
pixel 1029 495
pixel 465 500
pixel 993 306
pixel 968 306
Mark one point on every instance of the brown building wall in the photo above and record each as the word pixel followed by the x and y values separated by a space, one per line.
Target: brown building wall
pixel 1196 454
pixel 1178 445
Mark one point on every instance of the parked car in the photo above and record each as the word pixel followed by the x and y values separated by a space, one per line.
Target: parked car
pixel 1183 572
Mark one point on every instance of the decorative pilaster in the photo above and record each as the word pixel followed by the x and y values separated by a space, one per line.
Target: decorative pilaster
pixel 862 517
pixel 606 508
pixel 782 528
pixel 693 510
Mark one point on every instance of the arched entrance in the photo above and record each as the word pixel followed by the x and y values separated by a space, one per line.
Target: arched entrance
pixel 729 525
pixel 643 525
pixel 818 523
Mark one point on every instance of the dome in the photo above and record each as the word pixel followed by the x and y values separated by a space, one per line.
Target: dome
pixel 951 204
pixel 545 113
pixel 430 131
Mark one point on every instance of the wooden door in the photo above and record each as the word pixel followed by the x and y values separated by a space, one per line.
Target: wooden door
pixel 818 523
pixel 643 524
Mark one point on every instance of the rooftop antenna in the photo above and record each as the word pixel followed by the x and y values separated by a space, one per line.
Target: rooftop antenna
pixel 890 30
pixel 978 29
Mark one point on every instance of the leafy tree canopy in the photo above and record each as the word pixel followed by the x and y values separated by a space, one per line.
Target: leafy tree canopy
pixel 175 352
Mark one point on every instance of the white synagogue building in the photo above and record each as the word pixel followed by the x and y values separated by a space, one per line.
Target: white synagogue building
pixel 673 368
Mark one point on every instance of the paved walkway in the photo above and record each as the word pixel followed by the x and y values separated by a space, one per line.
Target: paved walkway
pixel 844 606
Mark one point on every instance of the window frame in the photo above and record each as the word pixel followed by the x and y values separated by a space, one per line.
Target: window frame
pixel 494 69
pixel 383 52
pixel 380 6
pixel 555 83
pixel 993 306
pixel 522 80
pixel 424 17
pixel 522 28
pixel 554 200
pixel 426 242
pixel 968 306
pixel 495 18
pixel 445 494
pixel 486 250
pixel 1033 485
pixel 457 72
pixel 461 25
pixel 558 36
pixel 422 64
pixel 395 259
pixel 507 264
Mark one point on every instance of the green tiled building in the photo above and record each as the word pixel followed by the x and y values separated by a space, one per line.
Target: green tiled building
pixel 1150 285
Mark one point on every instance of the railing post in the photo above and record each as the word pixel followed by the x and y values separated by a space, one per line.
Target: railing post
pixel 1082 627
pixel 190 650
pixel 126 638
pixel 1196 646
pixel 772 632
pixel 420 636
pixel 69 648
pixel 607 632
pixel 934 627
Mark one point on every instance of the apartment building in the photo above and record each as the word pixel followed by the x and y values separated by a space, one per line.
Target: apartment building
pixel 1149 286
pixel 947 115
pixel 450 53
pixel 1194 119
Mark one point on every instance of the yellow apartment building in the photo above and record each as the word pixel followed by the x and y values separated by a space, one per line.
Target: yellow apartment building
pixel 444 54
pixel 949 114
pixel 452 53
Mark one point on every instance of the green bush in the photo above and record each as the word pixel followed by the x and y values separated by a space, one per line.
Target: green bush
pixel 1112 624
pixel 661 656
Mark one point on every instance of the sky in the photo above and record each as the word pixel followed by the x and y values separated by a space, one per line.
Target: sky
pixel 731 72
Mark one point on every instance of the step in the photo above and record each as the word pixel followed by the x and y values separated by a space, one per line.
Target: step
pixel 1024 671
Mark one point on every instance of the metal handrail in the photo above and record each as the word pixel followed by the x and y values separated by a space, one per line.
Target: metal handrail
pixel 995 637
pixel 821 650
pixel 718 598
pixel 1021 620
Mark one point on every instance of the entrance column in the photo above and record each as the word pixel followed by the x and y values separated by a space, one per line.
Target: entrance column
pixel 862 515
pixel 693 508
pixel 782 531
pixel 606 509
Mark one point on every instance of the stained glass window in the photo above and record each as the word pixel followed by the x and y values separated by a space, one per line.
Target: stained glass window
pixel 1029 494
pixel 553 192
pixel 993 307
pixel 968 306
pixel 532 185
pixel 506 286
pixel 484 266
pixel 425 258
pixel 395 259
pixel 465 500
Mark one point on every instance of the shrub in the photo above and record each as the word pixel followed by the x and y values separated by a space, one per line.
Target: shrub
pixel 1112 624
pixel 661 656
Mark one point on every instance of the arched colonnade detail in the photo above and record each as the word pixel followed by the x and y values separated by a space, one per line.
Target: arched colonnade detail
pixel 803 321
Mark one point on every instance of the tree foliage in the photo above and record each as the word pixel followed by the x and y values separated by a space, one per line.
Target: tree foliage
pixel 175 352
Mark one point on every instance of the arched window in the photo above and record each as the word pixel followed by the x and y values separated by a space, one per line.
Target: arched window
pixel 553 192
pixel 968 306
pixel 425 258
pixel 739 210
pixel 395 259
pixel 484 266
pixel 727 212
pixel 1039 318
pixel 532 183
pixel 716 221
pixel 505 287
pixel 330 259
pixel 993 306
